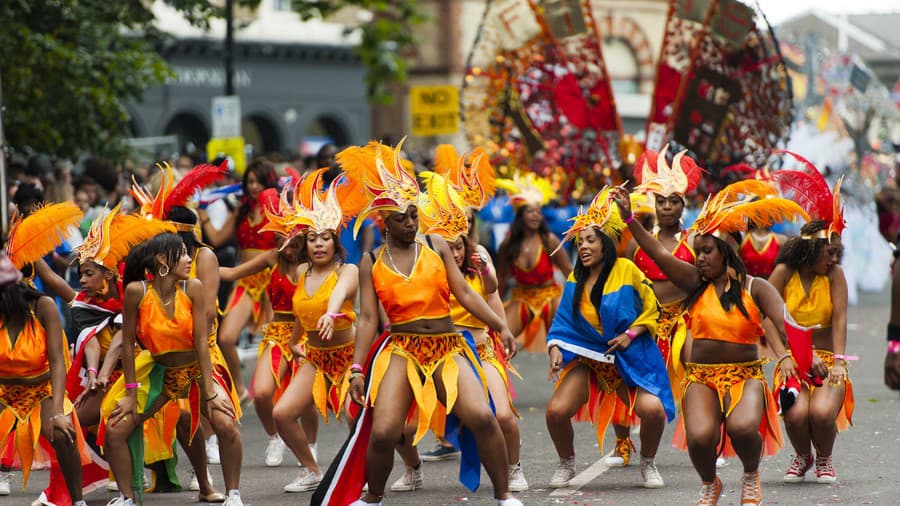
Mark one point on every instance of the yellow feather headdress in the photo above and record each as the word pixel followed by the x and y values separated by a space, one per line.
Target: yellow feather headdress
pixel 441 209
pixel 742 203
pixel 113 235
pixel 471 175
pixel 602 213
pixel 32 237
pixel 529 189
pixel 389 183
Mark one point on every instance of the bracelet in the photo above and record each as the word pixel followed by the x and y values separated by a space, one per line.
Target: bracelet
pixel 893 347
pixel 629 219
pixel 211 398
pixel 54 417
pixel 93 370
pixel 334 316
pixel 846 357
pixel 781 359
pixel 357 374
pixel 356 367
pixel 132 386
pixel 485 272
pixel 631 333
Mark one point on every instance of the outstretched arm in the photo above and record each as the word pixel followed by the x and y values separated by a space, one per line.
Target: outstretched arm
pixel 53 282
pixel 250 267
pixel 344 289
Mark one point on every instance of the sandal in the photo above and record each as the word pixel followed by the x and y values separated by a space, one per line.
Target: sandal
pixel 212 497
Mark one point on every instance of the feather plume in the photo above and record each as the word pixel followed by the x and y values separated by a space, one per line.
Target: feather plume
pixel 351 195
pixel 34 236
pixel 761 213
pixel 479 173
pixel 358 163
pixel 837 210
pixel 309 185
pixel 748 188
pixel 803 188
pixel 446 161
pixel 199 177
pixel 693 172
pixel 645 167
pixel 820 208
pixel 126 232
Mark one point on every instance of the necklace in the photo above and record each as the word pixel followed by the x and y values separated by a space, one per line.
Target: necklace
pixel 387 247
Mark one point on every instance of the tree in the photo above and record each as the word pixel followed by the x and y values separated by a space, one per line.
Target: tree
pixel 386 37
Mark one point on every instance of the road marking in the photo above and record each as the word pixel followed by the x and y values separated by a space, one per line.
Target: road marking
pixel 583 478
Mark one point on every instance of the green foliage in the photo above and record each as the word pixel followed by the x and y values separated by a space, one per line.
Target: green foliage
pixel 385 39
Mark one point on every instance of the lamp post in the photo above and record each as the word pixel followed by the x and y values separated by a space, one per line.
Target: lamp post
pixel 229 47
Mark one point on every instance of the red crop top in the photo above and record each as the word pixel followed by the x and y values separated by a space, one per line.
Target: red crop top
pixel 281 291
pixel 759 263
pixel 649 267
pixel 540 274
pixel 249 237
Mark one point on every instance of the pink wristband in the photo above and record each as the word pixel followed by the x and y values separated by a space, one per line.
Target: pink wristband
pixel 630 333
pixel 629 219
pixel 91 369
pixel 356 367
pixel 132 386
pixel 846 357
pixel 335 316
pixel 893 347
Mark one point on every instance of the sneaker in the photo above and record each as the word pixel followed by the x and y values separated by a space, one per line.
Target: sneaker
pixel 824 470
pixel 650 474
pixel 120 501
pixel 565 471
pixel 234 499
pixel 306 480
pixel 212 450
pixel 517 482
pixel 751 490
pixel 710 492
pixel 721 462
pixel 800 464
pixel 360 502
pixel 411 479
pixel 622 454
pixel 509 501
pixel 195 483
pixel 275 451
pixel 5 486
pixel 440 452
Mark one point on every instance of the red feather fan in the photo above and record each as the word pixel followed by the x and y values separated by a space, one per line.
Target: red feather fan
pixel 200 176
pixel 807 188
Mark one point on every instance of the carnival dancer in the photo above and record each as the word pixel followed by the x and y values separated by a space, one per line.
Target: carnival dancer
pixel 601 346
pixel 809 277
pixel 321 337
pixel 248 303
pixel 168 316
pixel 423 355
pixel 525 256
pixel 724 382
pixel 667 186
pixel 33 360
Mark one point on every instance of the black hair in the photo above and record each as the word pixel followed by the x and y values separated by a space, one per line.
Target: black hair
pixel 509 250
pixel 264 171
pixel 142 258
pixel 581 273
pixel 183 215
pixel 468 249
pixel 17 302
pixel 797 251
pixel 27 193
pixel 733 295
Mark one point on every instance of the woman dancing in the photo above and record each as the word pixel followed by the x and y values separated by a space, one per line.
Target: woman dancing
pixel 601 346
pixel 724 382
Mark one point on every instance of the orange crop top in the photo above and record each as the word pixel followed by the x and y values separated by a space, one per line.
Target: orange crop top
pixel 157 332
pixel 281 291
pixel 460 316
pixel 649 267
pixel 707 319
pixel 309 308
pixel 28 359
pixel 249 236
pixel 424 295
pixel 812 309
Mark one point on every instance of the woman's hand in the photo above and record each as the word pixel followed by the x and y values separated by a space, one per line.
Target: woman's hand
pixel 357 388
pixel 819 368
pixel 87 392
pixel 837 375
pixel 220 403
pixel 555 364
pixel 788 367
pixel 620 342
pixel 125 408
pixel 63 424
pixel 623 200
pixel 509 344
pixel 326 327
pixel 479 262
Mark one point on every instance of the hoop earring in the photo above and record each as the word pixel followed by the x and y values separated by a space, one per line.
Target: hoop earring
pixel 104 288
pixel 161 274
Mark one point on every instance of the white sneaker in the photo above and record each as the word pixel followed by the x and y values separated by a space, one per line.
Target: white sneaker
pixel 306 480
pixel 517 482
pixel 650 473
pixel 195 483
pixel 5 479
pixel 410 480
pixel 120 501
pixel 510 501
pixel 565 471
pixel 234 499
pixel 212 450
pixel 275 451
pixel 360 502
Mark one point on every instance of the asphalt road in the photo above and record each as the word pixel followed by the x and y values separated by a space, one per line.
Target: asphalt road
pixel 867 458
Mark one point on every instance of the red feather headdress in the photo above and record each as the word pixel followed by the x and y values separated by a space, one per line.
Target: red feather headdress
pixel 809 189
pixel 171 194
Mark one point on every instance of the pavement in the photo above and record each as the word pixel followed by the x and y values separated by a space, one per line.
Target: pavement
pixel 867 457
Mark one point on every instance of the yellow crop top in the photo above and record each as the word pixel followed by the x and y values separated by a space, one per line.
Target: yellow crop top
pixel 461 317
pixel 707 319
pixel 28 358
pixel 157 332
pixel 424 295
pixel 309 308
pixel 812 309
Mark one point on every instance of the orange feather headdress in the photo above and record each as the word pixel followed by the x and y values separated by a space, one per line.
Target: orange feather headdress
pixel 657 176
pixel 33 236
pixel 602 213
pixel 390 184
pixel 472 175
pixel 441 209
pixel 529 189
pixel 171 194
pixel 742 203
pixel 809 189
pixel 113 235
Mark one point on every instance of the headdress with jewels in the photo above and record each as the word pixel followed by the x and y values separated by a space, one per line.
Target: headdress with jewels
pixel 810 190
pixel 472 175
pixel 739 204
pixel 602 213
pixel 389 183
pixel 528 189
pixel 304 207
pixel 171 194
pixel 655 175
pixel 113 235
pixel 441 209
pixel 33 236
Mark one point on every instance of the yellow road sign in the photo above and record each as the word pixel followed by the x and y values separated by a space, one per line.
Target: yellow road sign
pixel 229 146
pixel 435 110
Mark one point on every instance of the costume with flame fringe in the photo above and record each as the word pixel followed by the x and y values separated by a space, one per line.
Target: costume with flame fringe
pixel 424 294
pixel 582 333
pixel 536 292
pixel 30 238
pixel 441 212
pixel 813 309
pixel 733 209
